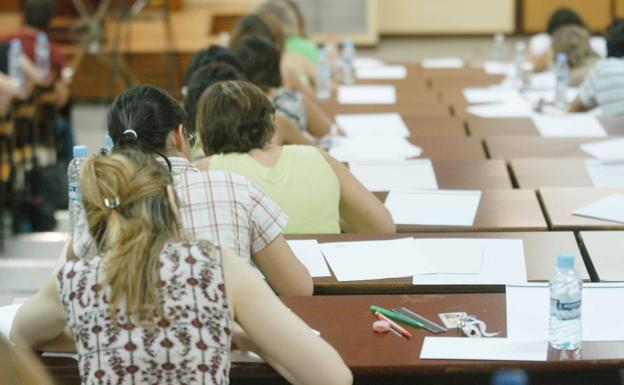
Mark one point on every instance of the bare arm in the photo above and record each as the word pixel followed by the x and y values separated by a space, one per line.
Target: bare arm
pixel 283 271
pixel 276 333
pixel 287 131
pixel 360 210
pixel 319 124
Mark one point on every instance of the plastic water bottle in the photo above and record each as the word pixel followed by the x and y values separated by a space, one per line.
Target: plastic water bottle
pixel 519 60
pixel 510 377
pixel 499 51
pixel 76 209
pixel 562 72
pixel 348 58
pixel 108 145
pixel 16 67
pixel 566 330
pixel 42 53
pixel 323 76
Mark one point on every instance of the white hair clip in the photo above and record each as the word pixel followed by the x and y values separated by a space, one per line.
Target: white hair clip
pixel 131 132
pixel 112 203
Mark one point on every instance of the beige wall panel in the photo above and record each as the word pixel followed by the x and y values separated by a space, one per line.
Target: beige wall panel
pixel 535 13
pixel 446 16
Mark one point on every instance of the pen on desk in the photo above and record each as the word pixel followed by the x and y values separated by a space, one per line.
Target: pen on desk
pixel 393 325
pixel 397 317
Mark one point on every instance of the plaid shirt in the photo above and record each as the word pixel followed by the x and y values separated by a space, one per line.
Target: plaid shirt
pixel 224 208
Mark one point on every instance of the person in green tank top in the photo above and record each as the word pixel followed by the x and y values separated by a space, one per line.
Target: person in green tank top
pixel 318 193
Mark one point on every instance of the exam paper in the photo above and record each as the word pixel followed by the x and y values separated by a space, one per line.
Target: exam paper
pixel 494 349
pixel 610 208
pixel 453 255
pixel 436 208
pixel 406 175
pixel 572 125
pixel 492 94
pixel 442 62
pixel 366 62
pixel 381 72
pixel 601 312
pixel 498 68
pixel 360 148
pixel 606 149
pixel 7 314
pixel 548 96
pixel 543 81
pixel 606 173
pixel 364 260
pixel 367 94
pixel 508 109
pixel 385 124
pixel 309 253
pixel 502 263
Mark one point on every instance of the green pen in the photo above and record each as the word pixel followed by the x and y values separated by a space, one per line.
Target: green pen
pixel 396 317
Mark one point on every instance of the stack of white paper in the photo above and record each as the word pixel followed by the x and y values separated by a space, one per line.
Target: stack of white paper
pixel 355 261
pixel 509 109
pixel 442 62
pixel 453 255
pixel 381 72
pixel 610 208
pixel 385 124
pixel 502 263
pixel 601 312
pixel 492 94
pixel 569 126
pixel 406 175
pixel 543 81
pixel 366 62
pixel 367 94
pixel 7 314
pixel 606 173
pixel 350 149
pixel 309 254
pixel 435 208
pixel 498 68
pixel 494 349
pixel 606 149
pixel 548 96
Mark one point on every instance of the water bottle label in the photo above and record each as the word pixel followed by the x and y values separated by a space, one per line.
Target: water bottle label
pixel 566 310
pixel 74 191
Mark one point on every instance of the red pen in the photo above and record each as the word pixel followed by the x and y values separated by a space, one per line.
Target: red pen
pixel 393 325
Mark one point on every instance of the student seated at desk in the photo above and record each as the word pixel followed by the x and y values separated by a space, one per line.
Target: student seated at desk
pixel 227 209
pixel 153 306
pixel 262 62
pixel 319 194
pixel 18 367
pixel 573 41
pixel 604 85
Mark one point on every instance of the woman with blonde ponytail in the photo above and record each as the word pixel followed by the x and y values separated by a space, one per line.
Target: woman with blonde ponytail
pixel 153 307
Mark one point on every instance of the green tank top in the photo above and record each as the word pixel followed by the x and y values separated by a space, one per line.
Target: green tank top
pixel 301 182
pixel 303 47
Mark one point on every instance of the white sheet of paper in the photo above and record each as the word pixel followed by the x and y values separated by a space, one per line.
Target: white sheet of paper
pixel 386 124
pixel 543 81
pixel 355 261
pixel 453 255
pixel 442 62
pixel 548 96
pixel 436 208
pixel 381 72
pixel 309 253
pixel 363 148
pixel 602 319
pixel 606 173
pixel 367 94
pixel 492 94
pixel 502 263
pixel 569 126
pixel 406 175
pixel 509 109
pixel 494 349
pixel 498 68
pixel 606 149
pixel 366 62
pixel 7 314
pixel 610 208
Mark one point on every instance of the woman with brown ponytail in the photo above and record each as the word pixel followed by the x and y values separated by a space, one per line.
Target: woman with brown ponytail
pixel 153 307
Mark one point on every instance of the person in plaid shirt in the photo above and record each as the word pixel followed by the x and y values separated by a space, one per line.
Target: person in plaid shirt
pixel 227 209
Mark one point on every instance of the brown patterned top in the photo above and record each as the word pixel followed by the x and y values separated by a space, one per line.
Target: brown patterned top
pixel 190 346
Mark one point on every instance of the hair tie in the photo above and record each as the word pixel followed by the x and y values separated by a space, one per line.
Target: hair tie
pixel 134 133
pixel 112 203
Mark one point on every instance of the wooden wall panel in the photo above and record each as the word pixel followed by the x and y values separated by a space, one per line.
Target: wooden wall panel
pixel 619 8
pixel 597 14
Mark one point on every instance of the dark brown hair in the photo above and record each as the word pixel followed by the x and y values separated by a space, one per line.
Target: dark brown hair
pixel 265 25
pixel 234 116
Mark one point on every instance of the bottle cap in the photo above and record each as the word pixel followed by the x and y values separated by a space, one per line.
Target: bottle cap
pixel 562 57
pixel 80 151
pixel 565 261
pixel 510 377
pixel 16 43
pixel 41 36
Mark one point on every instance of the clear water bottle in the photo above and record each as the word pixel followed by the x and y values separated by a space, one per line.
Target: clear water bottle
pixel 565 328
pixel 108 145
pixel 510 377
pixel 348 58
pixel 519 60
pixel 499 51
pixel 76 210
pixel 42 53
pixel 16 67
pixel 562 73
pixel 323 76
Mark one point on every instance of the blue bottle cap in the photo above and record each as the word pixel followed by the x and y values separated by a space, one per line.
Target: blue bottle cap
pixel 41 36
pixel 565 261
pixel 562 57
pixel 510 377
pixel 80 151
pixel 16 43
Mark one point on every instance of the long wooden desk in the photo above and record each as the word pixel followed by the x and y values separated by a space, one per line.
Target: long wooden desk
pixel 560 203
pixel 450 148
pixel 486 127
pixel 536 173
pixel 509 147
pixel 540 252
pixel 499 210
pixel 435 126
pixel 405 108
pixel 605 249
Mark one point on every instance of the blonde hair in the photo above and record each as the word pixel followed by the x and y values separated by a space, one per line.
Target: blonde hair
pixel 131 235
pixel 20 367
